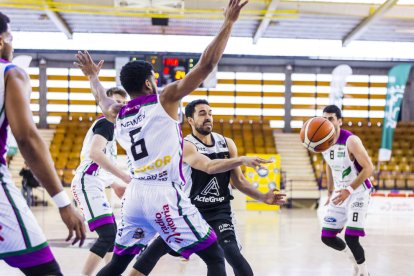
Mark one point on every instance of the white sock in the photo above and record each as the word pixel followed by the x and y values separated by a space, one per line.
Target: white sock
pixel 362 269
pixel 351 258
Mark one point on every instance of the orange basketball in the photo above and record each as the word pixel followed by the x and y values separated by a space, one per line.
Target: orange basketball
pixel 317 134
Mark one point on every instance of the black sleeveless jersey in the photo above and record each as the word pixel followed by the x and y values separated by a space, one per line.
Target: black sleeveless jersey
pixel 210 193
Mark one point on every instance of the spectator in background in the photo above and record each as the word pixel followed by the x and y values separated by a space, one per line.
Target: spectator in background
pixel 29 182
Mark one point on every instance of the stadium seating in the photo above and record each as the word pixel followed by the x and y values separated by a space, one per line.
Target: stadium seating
pixel 250 136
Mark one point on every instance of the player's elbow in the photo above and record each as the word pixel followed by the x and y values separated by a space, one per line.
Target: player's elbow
pixel 93 155
pixel 210 170
pixel 369 169
pixel 206 67
pixel 27 139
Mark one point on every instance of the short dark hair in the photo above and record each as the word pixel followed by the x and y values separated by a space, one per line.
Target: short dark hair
pixel 134 74
pixel 4 20
pixel 190 108
pixel 115 90
pixel 333 109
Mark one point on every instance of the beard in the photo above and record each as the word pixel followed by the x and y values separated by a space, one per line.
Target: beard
pixel 202 130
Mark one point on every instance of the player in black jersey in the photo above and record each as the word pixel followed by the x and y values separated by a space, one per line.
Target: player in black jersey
pixel 208 187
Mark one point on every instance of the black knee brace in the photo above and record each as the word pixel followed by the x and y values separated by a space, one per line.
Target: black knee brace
pixel 356 248
pixel 213 256
pixel 234 257
pixel 50 268
pixel 148 259
pixel 116 266
pixel 105 241
pixel 334 242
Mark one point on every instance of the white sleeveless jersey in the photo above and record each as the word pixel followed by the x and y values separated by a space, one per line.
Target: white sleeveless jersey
pixel 152 139
pixel 4 124
pixel 87 165
pixel 344 170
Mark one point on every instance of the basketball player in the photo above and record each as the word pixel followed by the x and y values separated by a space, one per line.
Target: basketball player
pixel 22 242
pixel 209 190
pixel 148 129
pixel 348 170
pixel 92 176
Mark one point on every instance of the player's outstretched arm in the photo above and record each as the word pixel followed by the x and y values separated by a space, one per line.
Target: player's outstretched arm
pixel 109 106
pixel 201 162
pixel 34 149
pixel 174 92
pixel 97 154
pixel 244 186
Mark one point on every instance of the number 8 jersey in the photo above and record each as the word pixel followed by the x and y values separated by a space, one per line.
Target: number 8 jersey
pixel 152 139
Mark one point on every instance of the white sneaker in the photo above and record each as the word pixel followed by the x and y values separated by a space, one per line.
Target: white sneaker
pixel 351 258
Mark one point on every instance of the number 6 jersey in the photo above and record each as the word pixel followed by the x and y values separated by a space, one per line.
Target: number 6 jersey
pixel 152 139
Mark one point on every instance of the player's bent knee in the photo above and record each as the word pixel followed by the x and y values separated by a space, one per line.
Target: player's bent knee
pixel 105 241
pixel 352 241
pixel 334 242
pixel 212 254
pixel 231 251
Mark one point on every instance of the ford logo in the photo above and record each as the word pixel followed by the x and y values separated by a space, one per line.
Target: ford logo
pixel 330 219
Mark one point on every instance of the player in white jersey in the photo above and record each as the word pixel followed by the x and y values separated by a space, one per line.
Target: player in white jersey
pixel 348 170
pixel 92 176
pixel 208 176
pixel 22 242
pixel 148 128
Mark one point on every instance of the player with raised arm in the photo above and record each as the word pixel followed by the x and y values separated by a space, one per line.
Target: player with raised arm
pixel 94 173
pixel 348 169
pixel 209 189
pixel 148 129
pixel 22 242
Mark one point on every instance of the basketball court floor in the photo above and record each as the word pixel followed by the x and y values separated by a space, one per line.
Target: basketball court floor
pixel 275 243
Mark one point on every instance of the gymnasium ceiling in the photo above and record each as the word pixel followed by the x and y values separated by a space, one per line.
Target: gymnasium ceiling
pixel 346 20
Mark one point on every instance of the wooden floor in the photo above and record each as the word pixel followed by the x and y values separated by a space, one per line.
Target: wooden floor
pixel 282 243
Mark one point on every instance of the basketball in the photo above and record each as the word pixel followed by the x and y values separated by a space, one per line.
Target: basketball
pixel 317 134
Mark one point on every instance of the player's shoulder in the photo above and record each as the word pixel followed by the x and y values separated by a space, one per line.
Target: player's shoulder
pixel 102 122
pixel 354 142
pixel 133 106
pixel 13 71
pixel 228 140
pixel 190 138
pixel 346 132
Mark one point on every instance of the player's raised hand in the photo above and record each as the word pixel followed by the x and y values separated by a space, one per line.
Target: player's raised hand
pixel 232 11
pixel 254 162
pixel 273 198
pixel 74 223
pixel 86 64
